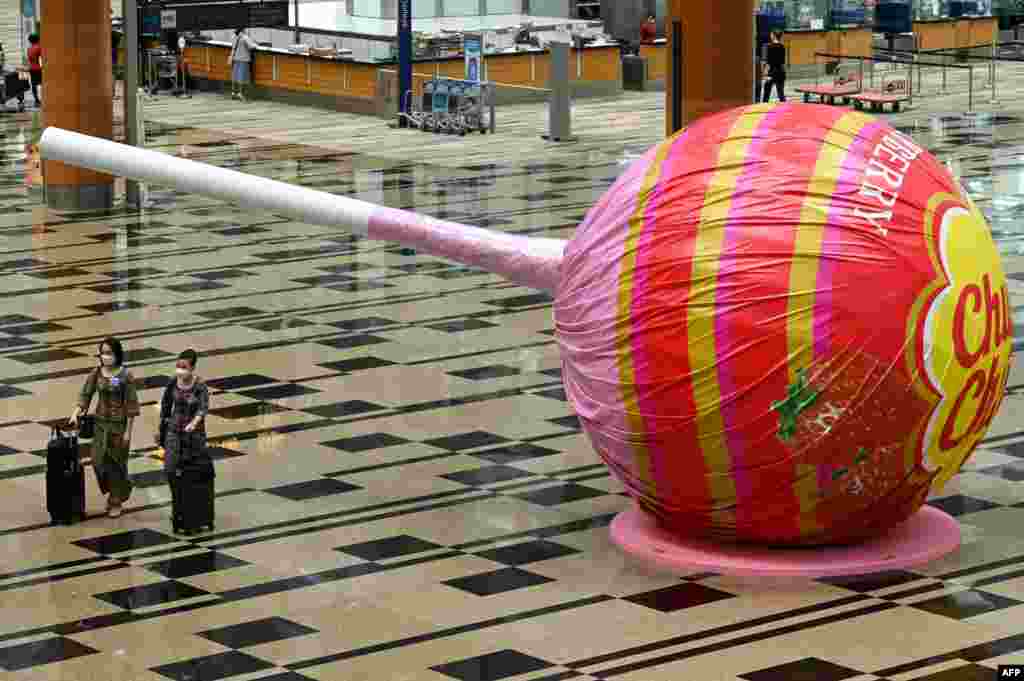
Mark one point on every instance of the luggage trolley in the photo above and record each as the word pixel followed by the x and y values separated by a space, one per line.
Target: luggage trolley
pixel 13 86
pixel 163 67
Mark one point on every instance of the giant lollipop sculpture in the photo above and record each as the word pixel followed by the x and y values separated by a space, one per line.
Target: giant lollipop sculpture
pixel 780 327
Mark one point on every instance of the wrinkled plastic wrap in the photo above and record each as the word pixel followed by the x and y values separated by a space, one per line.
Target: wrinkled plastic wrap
pixel 784 325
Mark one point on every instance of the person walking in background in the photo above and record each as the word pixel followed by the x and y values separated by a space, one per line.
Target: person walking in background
pixel 775 67
pixel 35 66
pixel 117 405
pixel 241 63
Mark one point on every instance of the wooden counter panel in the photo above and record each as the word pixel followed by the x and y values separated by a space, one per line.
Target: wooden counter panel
pixel 328 78
pixel 362 80
pixel 802 47
pixel 983 31
pixel 511 70
pixel 599 65
pixel 657 61
pixel 853 42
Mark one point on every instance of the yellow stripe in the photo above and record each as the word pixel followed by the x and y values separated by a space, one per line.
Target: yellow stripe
pixel 803 277
pixel 623 347
pixel 803 273
pixel 700 313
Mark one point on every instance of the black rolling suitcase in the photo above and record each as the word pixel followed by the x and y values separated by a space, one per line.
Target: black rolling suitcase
pixel 65 479
pixel 192 495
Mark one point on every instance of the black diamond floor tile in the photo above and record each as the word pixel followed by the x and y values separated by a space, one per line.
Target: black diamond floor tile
pixel 362 324
pixel 114 306
pixel 1010 471
pixel 213 667
pixel 240 381
pixel 392 547
pixel 324 280
pixel 37 653
pixel 148 595
pixel 960 504
pixel 218 453
pixel 194 286
pixel 8 319
pixel 1014 448
pixel 492 667
pixel 256 633
pixel 873 582
pixel 521 301
pixel 46 356
pixel 363 443
pixel 312 489
pixel 216 275
pixel 967 672
pixel 230 313
pixel 240 231
pixel 117 287
pixel 8 342
pixel 528 552
pixel 197 564
pixel 461 325
pixel 572 422
pixel 485 373
pixel 554 393
pixel 965 604
pixel 512 453
pixel 807 669
pixel 354 341
pixel 60 273
pixel 282 324
pixel 132 272
pixel 356 286
pixel 679 597
pixel 357 364
pixel 348 267
pixel 497 582
pixel 7 451
pixel 487 475
pixel 342 409
pixel 125 541
pixel 247 411
pixel 470 440
pixel 37 327
pixel 278 392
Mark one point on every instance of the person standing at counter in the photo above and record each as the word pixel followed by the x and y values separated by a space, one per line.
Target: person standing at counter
pixel 649 31
pixel 241 63
pixel 775 67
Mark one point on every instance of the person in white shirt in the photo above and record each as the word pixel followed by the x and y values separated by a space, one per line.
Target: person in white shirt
pixel 241 63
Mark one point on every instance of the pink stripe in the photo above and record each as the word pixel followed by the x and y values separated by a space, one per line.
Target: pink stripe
pixel 527 261
pixel 832 240
pixel 589 354
pixel 736 233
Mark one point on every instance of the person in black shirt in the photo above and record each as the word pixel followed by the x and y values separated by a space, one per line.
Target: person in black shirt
pixel 775 67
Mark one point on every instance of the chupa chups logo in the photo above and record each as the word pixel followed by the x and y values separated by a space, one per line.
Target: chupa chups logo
pixel 963 334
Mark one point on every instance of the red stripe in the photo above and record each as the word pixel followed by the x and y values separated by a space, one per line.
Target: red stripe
pixel 661 295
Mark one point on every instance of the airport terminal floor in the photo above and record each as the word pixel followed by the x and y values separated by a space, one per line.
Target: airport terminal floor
pixel 403 493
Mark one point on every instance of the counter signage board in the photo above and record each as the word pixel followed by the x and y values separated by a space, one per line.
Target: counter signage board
pixel 213 16
pixel 473 48
pixel 169 19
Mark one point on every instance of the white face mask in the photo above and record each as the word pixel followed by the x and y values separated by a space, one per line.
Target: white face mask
pixel 108 360
pixel 183 373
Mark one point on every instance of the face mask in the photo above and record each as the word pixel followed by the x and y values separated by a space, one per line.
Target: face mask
pixel 182 372
pixel 108 360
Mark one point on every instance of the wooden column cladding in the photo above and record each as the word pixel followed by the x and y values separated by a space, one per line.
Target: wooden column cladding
pixel 713 68
pixel 77 78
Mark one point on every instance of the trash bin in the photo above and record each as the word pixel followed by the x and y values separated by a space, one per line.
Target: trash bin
pixel 634 72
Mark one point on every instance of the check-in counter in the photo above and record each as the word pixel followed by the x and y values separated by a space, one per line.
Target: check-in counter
pixel 945 34
pixel 802 46
pixel 344 84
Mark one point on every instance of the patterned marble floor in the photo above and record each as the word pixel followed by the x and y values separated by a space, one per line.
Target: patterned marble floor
pixel 403 492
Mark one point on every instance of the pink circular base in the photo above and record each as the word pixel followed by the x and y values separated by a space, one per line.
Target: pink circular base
pixel 928 534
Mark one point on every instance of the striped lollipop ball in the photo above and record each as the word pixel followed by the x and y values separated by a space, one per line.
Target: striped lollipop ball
pixel 784 325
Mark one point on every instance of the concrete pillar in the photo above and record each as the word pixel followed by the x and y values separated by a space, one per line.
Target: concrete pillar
pixel 77 86
pixel 716 61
